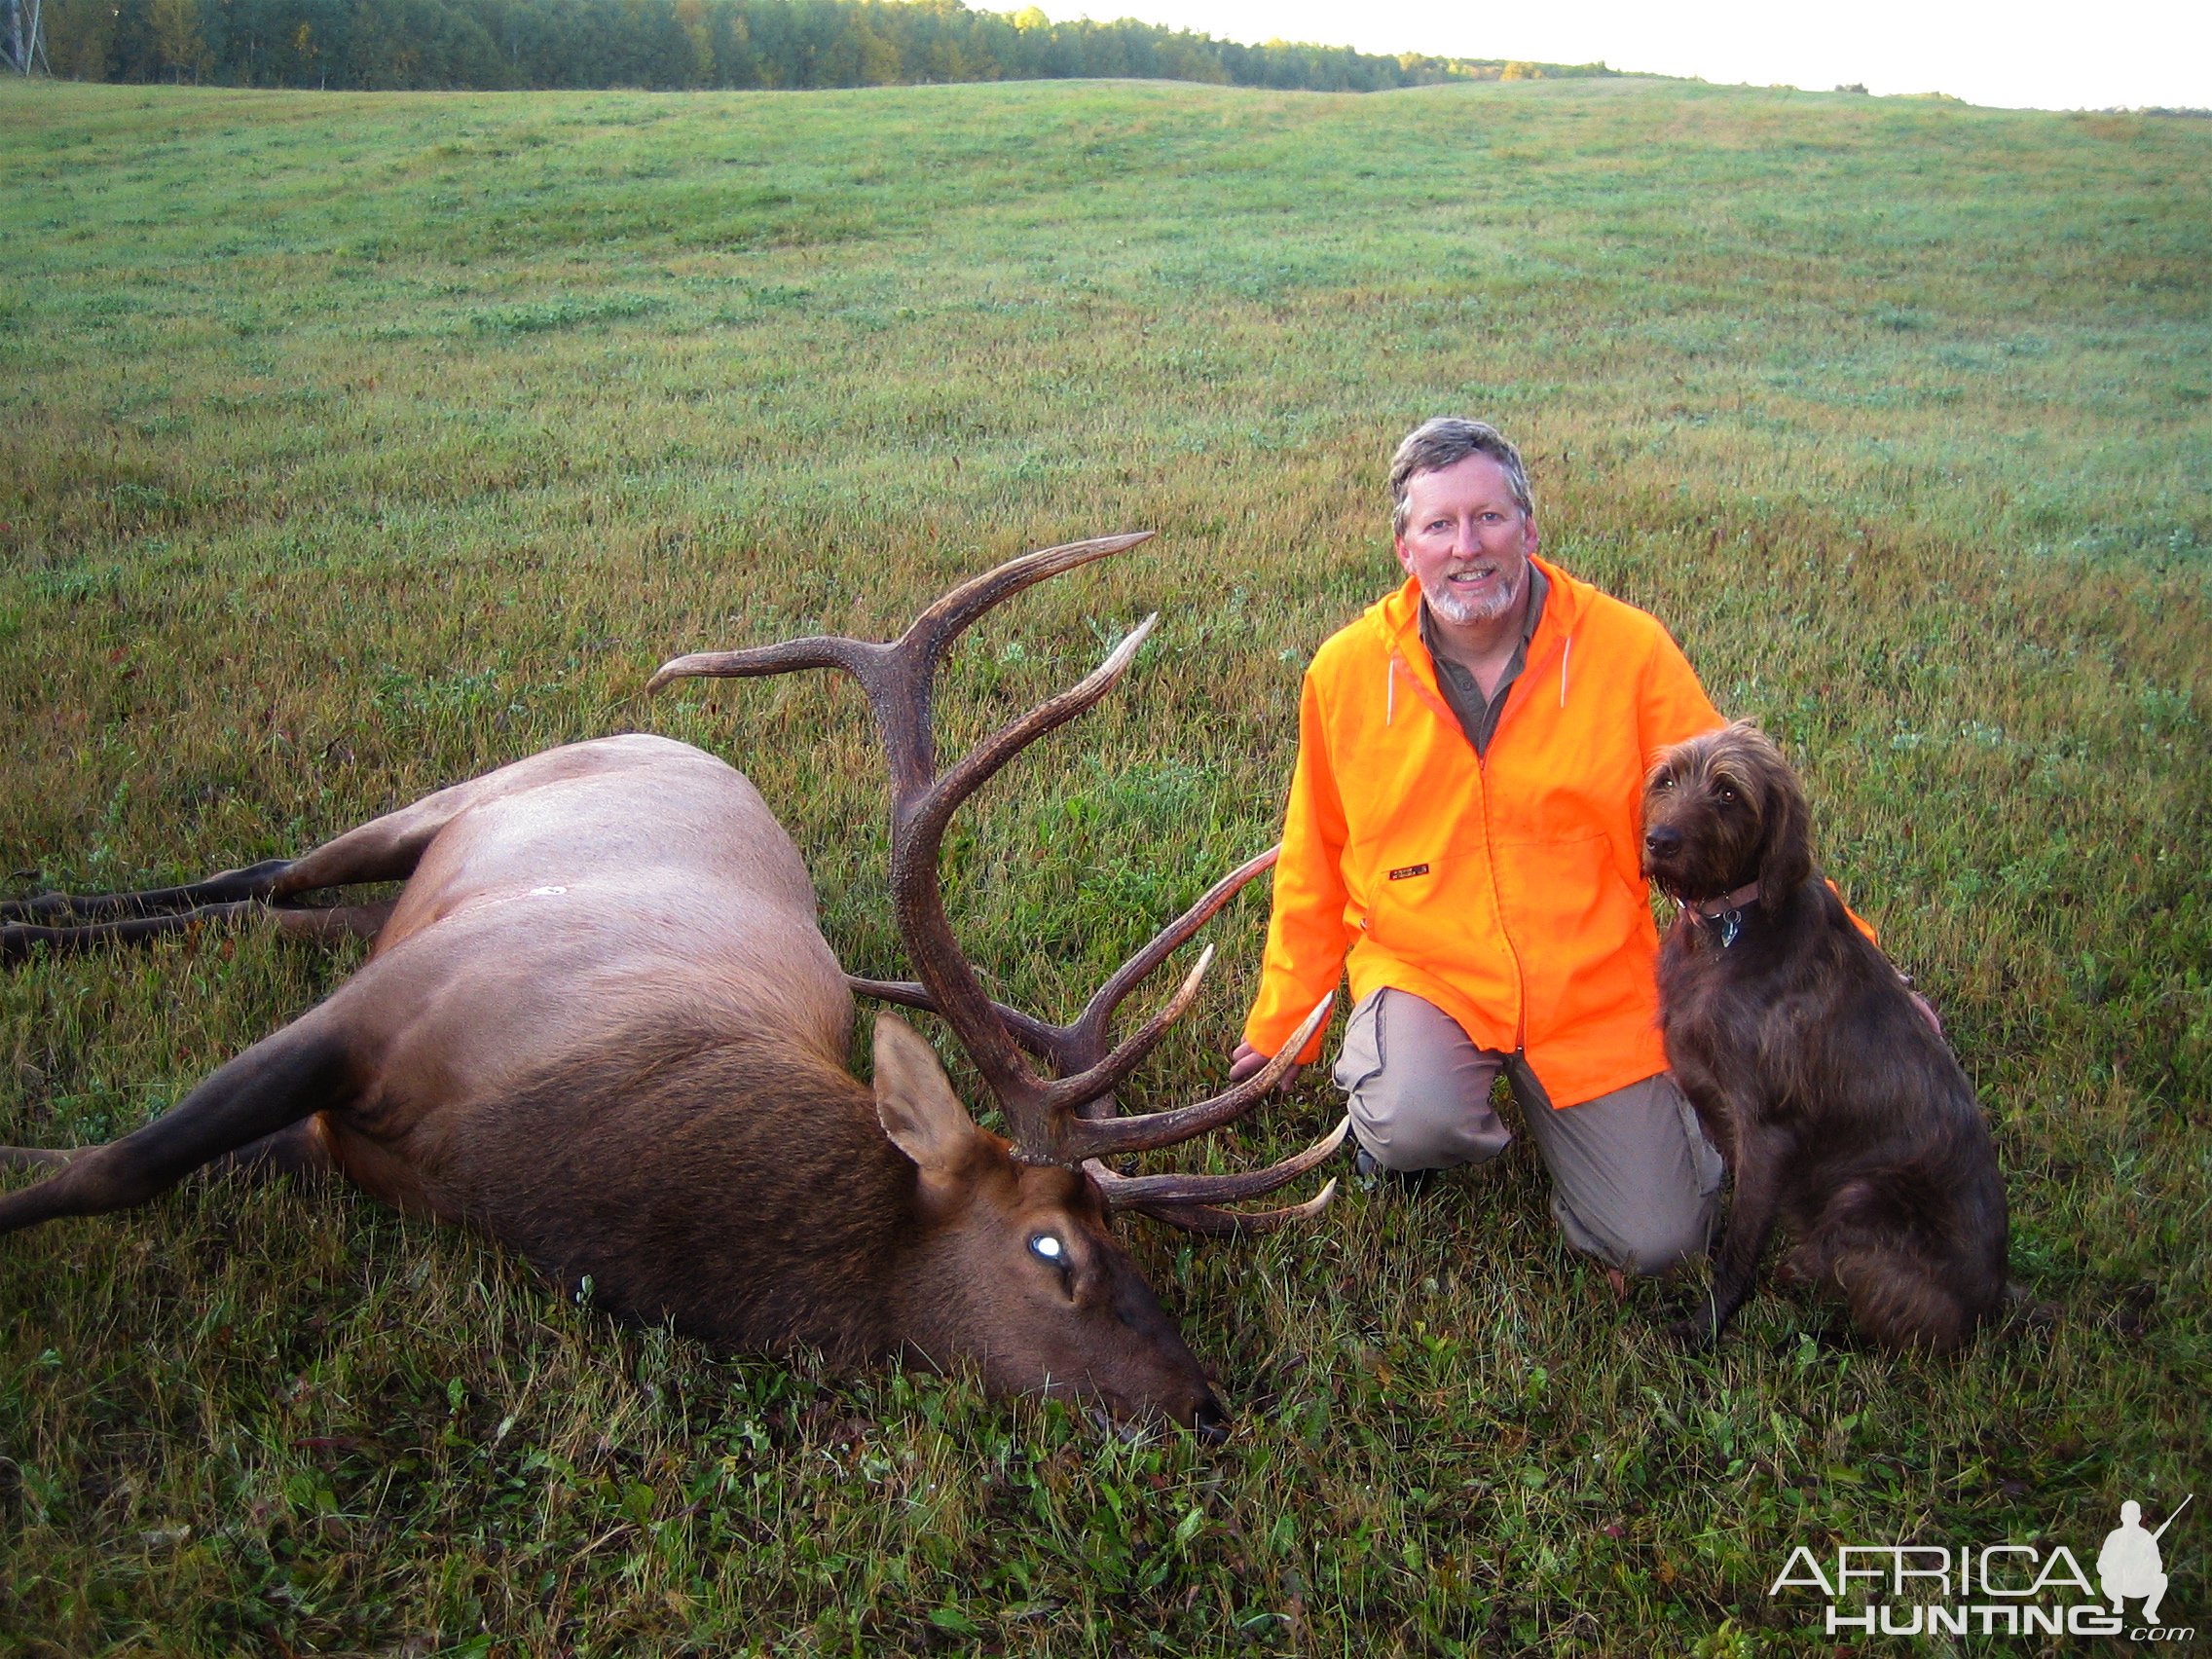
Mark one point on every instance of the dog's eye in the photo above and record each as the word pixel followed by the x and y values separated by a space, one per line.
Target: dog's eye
pixel 1727 798
pixel 1664 781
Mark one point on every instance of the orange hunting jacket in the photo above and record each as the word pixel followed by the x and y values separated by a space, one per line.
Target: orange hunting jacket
pixel 1506 889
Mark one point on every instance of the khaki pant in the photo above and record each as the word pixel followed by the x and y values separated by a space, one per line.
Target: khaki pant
pixel 1633 1180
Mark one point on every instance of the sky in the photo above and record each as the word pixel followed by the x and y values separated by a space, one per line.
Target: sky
pixel 2013 54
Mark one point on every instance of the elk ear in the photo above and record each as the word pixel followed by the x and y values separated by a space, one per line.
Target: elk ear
pixel 914 1099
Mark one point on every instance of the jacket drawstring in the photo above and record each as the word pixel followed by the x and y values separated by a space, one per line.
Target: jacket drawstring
pixel 1391 693
pixel 1566 650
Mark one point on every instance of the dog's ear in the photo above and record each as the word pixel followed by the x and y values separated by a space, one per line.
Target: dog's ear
pixel 1786 848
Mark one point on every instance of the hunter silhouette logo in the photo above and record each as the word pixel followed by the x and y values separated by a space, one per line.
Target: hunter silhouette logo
pixel 2130 1565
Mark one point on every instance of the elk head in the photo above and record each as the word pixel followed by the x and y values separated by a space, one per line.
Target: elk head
pixel 1013 1263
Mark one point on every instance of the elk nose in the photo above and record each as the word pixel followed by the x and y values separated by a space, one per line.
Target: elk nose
pixel 1663 840
pixel 1209 1422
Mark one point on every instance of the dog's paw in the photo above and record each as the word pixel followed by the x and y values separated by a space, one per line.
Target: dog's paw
pixel 1693 1334
pixel 1799 1268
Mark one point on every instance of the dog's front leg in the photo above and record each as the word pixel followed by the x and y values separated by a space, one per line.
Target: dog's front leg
pixel 1760 1157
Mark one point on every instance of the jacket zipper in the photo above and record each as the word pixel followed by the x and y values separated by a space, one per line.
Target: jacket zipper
pixel 1489 872
pixel 1497 904
pixel 1490 856
pixel 1490 852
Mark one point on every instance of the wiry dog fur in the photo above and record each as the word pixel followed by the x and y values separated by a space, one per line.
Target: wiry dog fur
pixel 1840 1110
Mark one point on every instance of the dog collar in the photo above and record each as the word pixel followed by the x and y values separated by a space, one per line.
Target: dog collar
pixel 1727 910
pixel 1713 909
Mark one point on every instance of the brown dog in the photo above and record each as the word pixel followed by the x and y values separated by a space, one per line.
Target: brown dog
pixel 1839 1108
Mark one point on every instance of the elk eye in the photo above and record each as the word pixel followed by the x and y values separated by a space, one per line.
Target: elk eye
pixel 1046 1248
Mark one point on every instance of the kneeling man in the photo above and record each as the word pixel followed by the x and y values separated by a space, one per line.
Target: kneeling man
pixel 1463 837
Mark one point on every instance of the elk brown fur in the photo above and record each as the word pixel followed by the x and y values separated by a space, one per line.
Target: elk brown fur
pixel 1841 1111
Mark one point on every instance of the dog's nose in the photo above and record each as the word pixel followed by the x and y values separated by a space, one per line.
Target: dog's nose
pixel 1663 840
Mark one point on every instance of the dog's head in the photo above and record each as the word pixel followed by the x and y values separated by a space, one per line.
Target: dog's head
pixel 1723 810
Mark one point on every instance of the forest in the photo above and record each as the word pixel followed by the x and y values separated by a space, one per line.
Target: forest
pixel 669 45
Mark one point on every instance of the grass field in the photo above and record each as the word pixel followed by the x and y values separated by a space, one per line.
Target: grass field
pixel 350 446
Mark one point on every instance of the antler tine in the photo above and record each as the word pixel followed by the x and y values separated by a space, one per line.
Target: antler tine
pixel 979 764
pixel 1087 1137
pixel 1131 1192
pixel 1164 944
pixel 1222 1223
pixel 951 616
pixel 1067 1094
pixel 1182 1200
pixel 897 676
pixel 822 650
pixel 1033 1034
pixel 1074 1043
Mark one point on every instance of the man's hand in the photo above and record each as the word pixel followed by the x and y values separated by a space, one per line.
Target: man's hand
pixel 1248 1059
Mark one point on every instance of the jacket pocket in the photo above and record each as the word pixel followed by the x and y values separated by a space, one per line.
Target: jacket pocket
pixel 1439 915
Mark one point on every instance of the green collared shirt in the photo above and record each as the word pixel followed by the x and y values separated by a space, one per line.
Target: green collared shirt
pixel 1478 718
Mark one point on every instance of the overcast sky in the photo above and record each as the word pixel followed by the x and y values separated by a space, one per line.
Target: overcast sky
pixel 2023 54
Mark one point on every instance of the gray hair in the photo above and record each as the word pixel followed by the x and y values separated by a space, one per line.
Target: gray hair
pixel 1446 441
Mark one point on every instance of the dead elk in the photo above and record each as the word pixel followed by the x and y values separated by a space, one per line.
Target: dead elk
pixel 601 1024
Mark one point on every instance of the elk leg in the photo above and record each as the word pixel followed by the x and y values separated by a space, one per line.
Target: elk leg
pixel 16 938
pixel 303 1069
pixel 298 1149
pixel 227 887
pixel 383 849
pixel 324 923
pixel 63 921
pixel 1752 1216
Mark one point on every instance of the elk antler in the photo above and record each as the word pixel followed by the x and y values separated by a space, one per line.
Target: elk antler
pixel 1070 1119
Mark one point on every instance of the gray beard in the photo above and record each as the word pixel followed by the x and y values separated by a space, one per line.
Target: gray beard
pixel 1462 611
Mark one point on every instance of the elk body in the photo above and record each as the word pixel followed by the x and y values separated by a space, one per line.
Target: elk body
pixel 601 1023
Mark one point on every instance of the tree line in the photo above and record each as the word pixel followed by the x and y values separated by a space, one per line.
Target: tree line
pixel 363 45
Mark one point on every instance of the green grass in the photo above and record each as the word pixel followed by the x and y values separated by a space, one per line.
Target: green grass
pixel 351 446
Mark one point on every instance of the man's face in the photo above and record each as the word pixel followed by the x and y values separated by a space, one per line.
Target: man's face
pixel 1466 541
